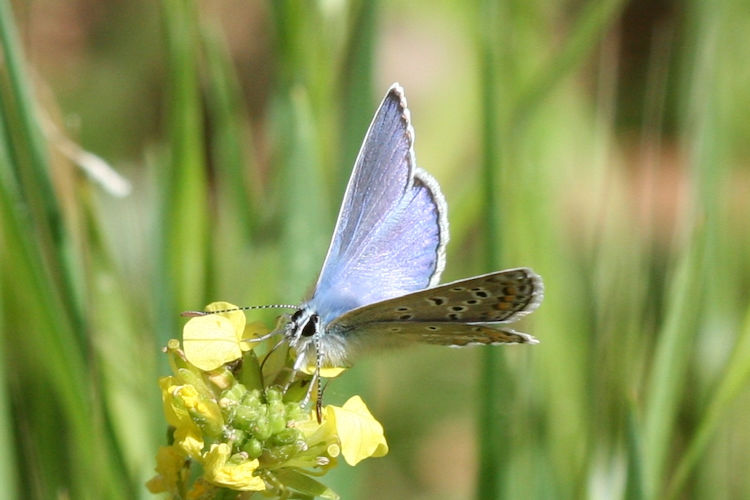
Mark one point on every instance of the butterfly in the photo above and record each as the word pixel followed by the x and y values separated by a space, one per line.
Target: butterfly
pixel 379 283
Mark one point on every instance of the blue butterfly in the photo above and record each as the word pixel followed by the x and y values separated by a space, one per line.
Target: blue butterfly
pixel 379 282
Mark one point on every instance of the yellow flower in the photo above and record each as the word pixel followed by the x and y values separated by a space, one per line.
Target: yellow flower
pixel 189 439
pixel 170 471
pixel 350 429
pixel 212 340
pixel 187 434
pixel 220 470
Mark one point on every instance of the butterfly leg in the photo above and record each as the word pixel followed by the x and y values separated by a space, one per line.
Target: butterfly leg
pixel 315 379
pixel 292 376
pixel 318 363
pixel 297 367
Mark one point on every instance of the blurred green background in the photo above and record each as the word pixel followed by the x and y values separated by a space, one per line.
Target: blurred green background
pixel 602 143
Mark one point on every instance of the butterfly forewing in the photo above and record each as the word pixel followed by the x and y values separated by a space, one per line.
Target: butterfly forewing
pixel 392 228
pixel 500 297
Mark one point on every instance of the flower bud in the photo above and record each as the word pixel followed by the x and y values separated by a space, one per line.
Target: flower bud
pixel 287 436
pixel 252 447
pixel 261 428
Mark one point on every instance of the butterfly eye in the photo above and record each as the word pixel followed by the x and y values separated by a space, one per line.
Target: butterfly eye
pixel 311 326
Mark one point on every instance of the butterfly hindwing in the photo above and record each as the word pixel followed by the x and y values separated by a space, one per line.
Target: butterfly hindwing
pixel 448 334
pixel 387 334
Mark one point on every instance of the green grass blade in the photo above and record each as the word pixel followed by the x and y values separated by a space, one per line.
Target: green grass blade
pixel 183 234
pixel 8 464
pixel 669 367
pixel 305 219
pixel 26 114
pixel 238 193
pixel 590 26
pixel 633 448
pixel 490 433
pixel 733 382
pixel 356 84
pixel 31 168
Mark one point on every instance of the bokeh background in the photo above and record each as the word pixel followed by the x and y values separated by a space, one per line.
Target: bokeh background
pixel 603 143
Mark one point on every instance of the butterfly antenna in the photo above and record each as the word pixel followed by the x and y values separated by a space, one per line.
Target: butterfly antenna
pixel 195 314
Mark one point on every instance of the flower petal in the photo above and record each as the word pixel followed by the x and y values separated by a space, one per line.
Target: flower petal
pixel 232 313
pixel 360 434
pixel 239 476
pixel 210 341
pixel 169 467
pixel 188 438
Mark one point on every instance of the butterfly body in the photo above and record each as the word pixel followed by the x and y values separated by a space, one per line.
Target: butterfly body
pixel 378 285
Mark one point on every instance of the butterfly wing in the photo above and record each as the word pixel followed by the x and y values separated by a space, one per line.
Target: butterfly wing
pixel 392 228
pixel 499 297
pixel 469 311
pixel 456 334
pixel 337 352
